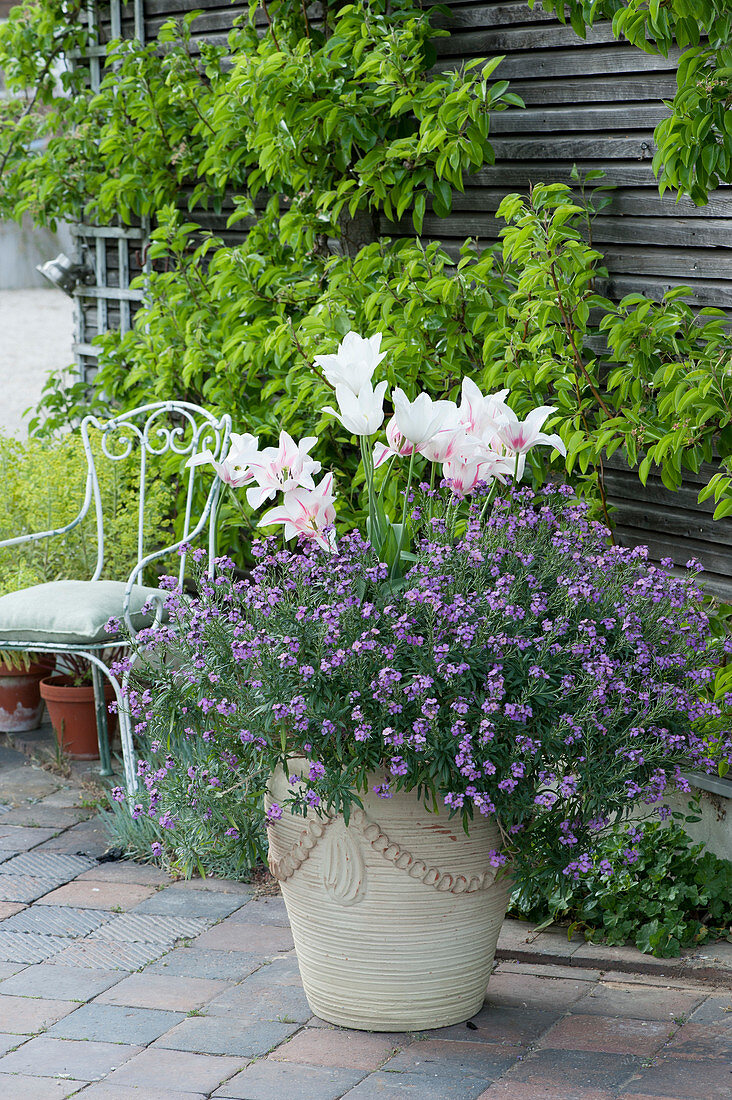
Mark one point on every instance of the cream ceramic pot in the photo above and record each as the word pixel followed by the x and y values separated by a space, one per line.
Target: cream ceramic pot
pixel 395 917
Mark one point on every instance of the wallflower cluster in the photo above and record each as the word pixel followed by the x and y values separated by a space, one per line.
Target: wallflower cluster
pixel 524 669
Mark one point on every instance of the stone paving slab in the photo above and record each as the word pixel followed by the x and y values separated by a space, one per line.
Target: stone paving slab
pixel 265 1080
pixel 415 1086
pixel 577 1068
pixel 262 911
pixel 17 838
pixel 192 962
pixel 57 920
pixel 9 1042
pixel 115 1024
pixel 157 1068
pixel 272 1003
pixel 22 1087
pixel 58 982
pixel 519 943
pixel 26 1015
pixel 89 838
pixel 104 1091
pixel 84 1061
pixel 109 955
pixel 8 969
pixel 45 864
pixel 210 1035
pixel 126 872
pixel 10 908
pixel 160 991
pixel 150 928
pixel 97 895
pixel 29 947
pixel 176 902
pixel 237 936
pixel 25 888
pixel 47 815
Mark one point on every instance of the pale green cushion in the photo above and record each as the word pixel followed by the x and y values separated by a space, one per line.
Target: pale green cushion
pixel 70 611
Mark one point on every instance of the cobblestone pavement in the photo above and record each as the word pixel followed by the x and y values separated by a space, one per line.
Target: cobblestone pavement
pixel 117 983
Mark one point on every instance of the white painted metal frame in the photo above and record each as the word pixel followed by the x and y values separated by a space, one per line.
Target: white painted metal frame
pixel 166 427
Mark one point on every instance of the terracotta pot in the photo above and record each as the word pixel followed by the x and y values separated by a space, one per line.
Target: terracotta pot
pixel 21 705
pixel 395 917
pixel 73 715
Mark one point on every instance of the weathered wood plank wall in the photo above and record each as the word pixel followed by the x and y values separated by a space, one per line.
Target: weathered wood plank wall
pixel 593 103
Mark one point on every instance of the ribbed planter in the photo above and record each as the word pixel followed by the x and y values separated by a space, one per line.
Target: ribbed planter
pixel 73 716
pixel 395 917
pixel 21 706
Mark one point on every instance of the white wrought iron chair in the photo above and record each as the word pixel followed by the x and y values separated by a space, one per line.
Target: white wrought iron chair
pixel 69 616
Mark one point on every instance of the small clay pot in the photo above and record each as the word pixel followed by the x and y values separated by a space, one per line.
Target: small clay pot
pixel 21 706
pixel 74 717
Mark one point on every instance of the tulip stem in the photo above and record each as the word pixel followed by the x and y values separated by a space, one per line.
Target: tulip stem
pixel 240 508
pixel 387 475
pixel 368 470
pixel 404 518
pixel 488 500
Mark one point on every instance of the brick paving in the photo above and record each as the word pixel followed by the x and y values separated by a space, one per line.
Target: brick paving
pixel 118 984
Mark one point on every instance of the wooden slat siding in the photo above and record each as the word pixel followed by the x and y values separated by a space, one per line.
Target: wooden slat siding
pixel 672 524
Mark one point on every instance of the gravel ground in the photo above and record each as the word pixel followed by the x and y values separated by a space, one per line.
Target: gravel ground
pixel 36 332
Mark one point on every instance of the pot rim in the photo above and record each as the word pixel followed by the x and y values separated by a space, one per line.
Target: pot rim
pixel 58 689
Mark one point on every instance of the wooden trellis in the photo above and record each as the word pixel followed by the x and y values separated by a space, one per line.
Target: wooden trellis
pixel 116 254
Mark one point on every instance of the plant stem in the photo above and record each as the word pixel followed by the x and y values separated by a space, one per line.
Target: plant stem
pixel 368 470
pixel 404 518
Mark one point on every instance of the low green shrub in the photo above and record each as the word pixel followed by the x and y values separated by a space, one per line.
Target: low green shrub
pixel 42 488
pixel 659 890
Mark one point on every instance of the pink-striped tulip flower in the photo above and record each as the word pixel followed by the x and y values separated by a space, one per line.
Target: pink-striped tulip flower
pixel 518 436
pixel 282 468
pixel 306 512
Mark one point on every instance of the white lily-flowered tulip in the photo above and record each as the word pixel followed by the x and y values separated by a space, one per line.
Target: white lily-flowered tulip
pixel 473 463
pixel 481 413
pixel 361 413
pixel 420 420
pixel 399 447
pixel 236 468
pixel 354 363
pixel 520 436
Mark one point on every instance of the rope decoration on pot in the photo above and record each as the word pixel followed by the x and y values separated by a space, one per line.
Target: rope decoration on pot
pixel 285 866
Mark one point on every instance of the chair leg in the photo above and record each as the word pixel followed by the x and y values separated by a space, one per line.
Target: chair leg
pixel 100 703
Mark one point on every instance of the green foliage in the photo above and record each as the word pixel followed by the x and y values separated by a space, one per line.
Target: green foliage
pixel 672 392
pixel 694 152
pixel 42 487
pixel 670 894
pixel 44 179
pixel 311 135
pixel 240 332
pixel 323 116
